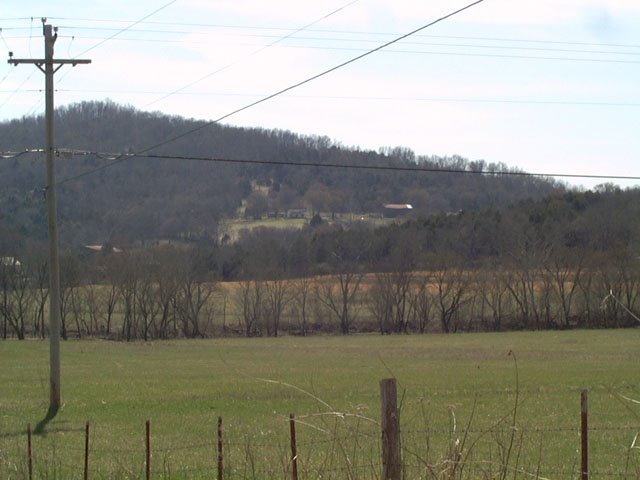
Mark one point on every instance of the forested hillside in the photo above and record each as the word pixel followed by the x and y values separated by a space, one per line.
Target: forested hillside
pixel 149 198
pixel 480 251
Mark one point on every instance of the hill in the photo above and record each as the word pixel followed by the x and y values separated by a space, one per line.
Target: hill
pixel 149 198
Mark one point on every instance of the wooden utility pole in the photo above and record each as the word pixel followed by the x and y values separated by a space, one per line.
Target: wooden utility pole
pixel 49 66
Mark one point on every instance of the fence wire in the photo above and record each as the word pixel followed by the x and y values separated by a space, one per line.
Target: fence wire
pixel 345 449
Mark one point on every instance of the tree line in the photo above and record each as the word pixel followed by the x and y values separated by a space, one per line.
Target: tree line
pixel 563 262
pixel 143 300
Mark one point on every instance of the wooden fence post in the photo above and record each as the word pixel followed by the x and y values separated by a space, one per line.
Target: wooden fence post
pixel 148 450
pixel 29 460
pixel 220 457
pixel 294 452
pixel 391 465
pixel 584 474
pixel 86 451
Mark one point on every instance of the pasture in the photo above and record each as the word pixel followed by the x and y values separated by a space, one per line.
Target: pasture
pixel 466 402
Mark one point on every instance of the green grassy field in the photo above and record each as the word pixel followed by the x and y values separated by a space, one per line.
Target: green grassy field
pixel 448 384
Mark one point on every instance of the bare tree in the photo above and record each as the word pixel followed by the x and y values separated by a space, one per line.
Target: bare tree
pixel 193 304
pixel 5 305
pixel 524 279
pixel 113 289
pixel 15 301
pixel 39 275
pixel 168 298
pixel 128 281
pixel 338 294
pixel 147 305
pixel 276 298
pixel 249 300
pixel 618 278
pixel 379 304
pixel 111 299
pixel 450 285
pixel 564 272
pixel 630 281
pixel 70 280
pixel 422 301
pixel 389 300
pixel 589 303
pixel 75 307
pixel 93 304
pixel 302 288
pixel 492 290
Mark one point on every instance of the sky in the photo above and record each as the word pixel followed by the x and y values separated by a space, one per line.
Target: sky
pixel 548 86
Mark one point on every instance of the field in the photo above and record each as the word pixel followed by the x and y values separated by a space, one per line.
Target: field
pixel 233 227
pixel 463 397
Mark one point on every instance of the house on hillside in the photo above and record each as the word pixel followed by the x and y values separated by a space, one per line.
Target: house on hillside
pixel 394 210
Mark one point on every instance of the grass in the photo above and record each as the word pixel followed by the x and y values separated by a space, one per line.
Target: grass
pixel 182 386
pixel 234 227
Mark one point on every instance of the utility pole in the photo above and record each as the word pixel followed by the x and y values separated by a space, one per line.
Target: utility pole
pixel 49 66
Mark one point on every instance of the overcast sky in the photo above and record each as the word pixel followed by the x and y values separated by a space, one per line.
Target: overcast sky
pixel 550 86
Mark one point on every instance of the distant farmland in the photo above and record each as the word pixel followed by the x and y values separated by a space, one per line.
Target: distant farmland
pixel 457 394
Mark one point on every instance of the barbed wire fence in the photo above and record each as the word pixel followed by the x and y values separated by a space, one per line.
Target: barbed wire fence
pixel 335 445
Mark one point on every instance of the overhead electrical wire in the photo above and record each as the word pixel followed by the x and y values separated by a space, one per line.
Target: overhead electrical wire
pixel 430 44
pixel 486 55
pixel 17 89
pixel 318 30
pixel 103 41
pixel 130 28
pixel 280 39
pixel 124 157
pixel 19 153
pixel 4 41
pixel 415 52
pixel 309 79
pixel 127 27
pixel 118 158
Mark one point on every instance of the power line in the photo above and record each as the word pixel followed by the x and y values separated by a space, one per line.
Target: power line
pixel 118 33
pixel 9 155
pixel 465 45
pixel 310 79
pixel 128 27
pixel 350 32
pixel 253 53
pixel 116 158
pixel 121 157
pixel 16 90
pixel 4 41
pixel 486 55
pixel 323 47
pixel 413 52
pixel 367 40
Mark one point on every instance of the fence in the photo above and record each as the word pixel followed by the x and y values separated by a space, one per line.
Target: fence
pixel 394 453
